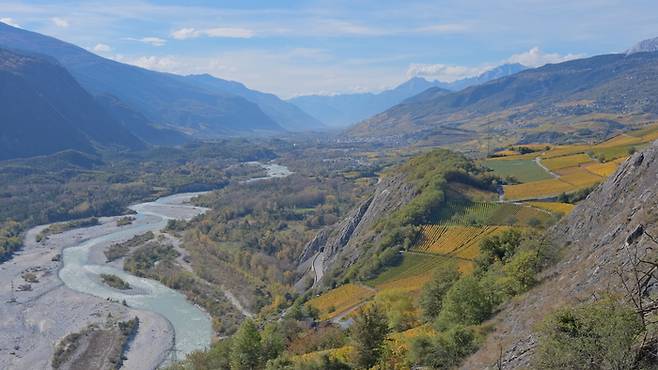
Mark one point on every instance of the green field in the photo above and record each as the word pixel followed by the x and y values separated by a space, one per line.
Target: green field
pixel 612 153
pixel 524 170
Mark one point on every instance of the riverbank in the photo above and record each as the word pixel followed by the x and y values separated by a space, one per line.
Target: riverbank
pixel 63 293
pixel 31 326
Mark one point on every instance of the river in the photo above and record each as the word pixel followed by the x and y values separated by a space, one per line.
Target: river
pixel 192 326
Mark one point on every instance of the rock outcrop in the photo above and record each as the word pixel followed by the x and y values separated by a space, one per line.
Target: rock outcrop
pixel 644 46
pixel 339 245
pixel 593 242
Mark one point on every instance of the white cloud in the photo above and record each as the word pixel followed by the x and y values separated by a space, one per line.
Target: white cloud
pixel 536 58
pixel 163 64
pixel 223 32
pixel 447 28
pixel 444 72
pixel 185 33
pixel 102 48
pixel 239 33
pixel 154 41
pixel 60 22
pixel 532 58
pixel 10 21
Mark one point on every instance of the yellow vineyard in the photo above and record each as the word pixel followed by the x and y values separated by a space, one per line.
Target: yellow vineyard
pixel 557 163
pixel 575 166
pixel 340 299
pixel 456 241
pixel 605 169
pixel 537 189
pixel 555 207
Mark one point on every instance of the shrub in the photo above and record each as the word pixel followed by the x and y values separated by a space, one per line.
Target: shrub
pixel 446 351
pixel 599 335
pixel 431 299
pixel 369 332
pixel 466 302
pixel 498 248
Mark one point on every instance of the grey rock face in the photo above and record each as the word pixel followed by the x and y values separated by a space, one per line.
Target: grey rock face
pixel 593 242
pixel 646 46
pixel 341 244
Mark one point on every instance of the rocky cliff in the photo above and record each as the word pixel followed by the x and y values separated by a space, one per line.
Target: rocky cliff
pixel 339 244
pixel 593 244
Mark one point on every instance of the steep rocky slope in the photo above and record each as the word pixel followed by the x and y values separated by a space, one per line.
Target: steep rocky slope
pixel 338 245
pixel 592 243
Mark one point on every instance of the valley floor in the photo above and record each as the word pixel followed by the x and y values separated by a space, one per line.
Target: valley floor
pixel 31 326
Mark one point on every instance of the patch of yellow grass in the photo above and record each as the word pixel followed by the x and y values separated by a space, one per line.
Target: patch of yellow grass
pixel 340 299
pixel 619 140
pixel 537 189
pixel 414 332
pixel 343 354
pixel 579 177
pixel 407 284
pixel 555 207
pixel 565 150
pixel 457 241
pixel 650 137
pixel 605 169
pixel 557 163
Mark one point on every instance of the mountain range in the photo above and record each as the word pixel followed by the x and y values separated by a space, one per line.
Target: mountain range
pixel 44 110
pixel 343 110
pixel 202 106
pixel 601 93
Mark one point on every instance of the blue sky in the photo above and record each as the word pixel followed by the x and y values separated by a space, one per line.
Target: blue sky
pixel 302 47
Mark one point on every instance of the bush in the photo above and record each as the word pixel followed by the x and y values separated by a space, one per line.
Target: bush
pixel 369 332
pixel 246 347
pixel 466 302
pixel 599 335
pixel 431 299
pixel 446 351
pixel 498 248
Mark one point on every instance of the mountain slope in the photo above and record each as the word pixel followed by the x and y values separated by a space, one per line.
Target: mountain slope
pixel 644 46
pixel 616 85
pixel 592 242
pixel 345 109
pixel 492 74
pixel 43 110
pixel 287 115
pixel 163 98
pixel 139 125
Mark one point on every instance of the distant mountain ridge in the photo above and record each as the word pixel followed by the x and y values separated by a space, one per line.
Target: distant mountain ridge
pixel 164 99
pixel 603 92
pixel 287 115
pixel 44 110
pixel 345 109
pixel 492 74
pixel 644 46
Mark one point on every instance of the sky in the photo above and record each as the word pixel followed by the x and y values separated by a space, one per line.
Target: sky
pixel 295 48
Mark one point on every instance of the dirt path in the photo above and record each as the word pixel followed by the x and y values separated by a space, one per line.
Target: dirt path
pixel 538 161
